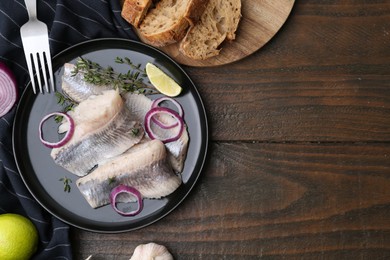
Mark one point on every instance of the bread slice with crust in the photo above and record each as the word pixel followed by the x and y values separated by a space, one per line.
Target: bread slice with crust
pixel 169 21
pixel 218 23
pixel 134 11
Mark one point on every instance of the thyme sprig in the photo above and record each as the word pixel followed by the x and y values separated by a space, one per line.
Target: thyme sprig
pixel 131 81
pixel 66 102
pixel 66 182
pixel 135 131
pixel 127 61
pixel 111 180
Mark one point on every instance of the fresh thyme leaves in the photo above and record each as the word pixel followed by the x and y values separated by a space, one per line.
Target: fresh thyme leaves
pixel 131 81
pixel 66 182
pixel 111 180
pixel 127 61
pixel 67 103
pixel 135 131
pixel 63 100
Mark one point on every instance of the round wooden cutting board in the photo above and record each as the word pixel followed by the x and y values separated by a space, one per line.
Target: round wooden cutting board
pixel 261 20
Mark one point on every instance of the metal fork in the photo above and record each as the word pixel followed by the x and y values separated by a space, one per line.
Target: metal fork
pixel 35 39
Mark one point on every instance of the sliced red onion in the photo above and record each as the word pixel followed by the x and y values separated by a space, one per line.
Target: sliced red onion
pixel 158 110
pixel 68 134
pixel 131 191
pixel 157 102
pixel 8 89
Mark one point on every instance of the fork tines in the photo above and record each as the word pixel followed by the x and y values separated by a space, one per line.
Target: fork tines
pixel 34 62
pixel 35 40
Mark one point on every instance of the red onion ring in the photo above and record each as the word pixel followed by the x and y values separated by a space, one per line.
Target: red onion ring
pixel 157 102
pixel 68 134
pixel 8 89
pixel 129 190
pixel 157 110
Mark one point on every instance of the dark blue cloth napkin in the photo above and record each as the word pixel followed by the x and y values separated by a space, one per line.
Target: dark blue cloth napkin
pixel 69 22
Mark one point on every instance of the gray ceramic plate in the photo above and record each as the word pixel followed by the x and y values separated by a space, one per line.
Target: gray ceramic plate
pixel 41 175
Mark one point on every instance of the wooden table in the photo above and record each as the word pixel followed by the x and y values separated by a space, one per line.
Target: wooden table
pixel 299 155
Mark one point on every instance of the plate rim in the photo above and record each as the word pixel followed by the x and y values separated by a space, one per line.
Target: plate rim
pixel 204 143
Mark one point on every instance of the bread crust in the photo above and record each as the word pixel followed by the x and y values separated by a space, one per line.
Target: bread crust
pixel 134 11
pixel 178 29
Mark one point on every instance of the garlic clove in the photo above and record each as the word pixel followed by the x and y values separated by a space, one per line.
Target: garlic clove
pixel 151 251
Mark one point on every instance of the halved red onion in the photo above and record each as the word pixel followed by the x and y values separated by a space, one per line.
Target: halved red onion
pixel 8 89
pixel 132 192
pixel 157 102
pixel 68 134
pixel 163 110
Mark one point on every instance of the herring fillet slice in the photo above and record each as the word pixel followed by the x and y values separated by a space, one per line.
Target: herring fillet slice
pixel 99 137
pixel 117 137
pixel 139 105
pixel 76 88
pixel 144 167
pixel 93 112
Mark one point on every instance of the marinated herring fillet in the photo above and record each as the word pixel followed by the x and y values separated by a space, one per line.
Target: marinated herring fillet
pixel 100 137
pixel 144 167
pixel 100 111
pixel 139 105
pixel 76 88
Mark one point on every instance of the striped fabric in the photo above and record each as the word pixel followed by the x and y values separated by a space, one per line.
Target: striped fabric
pixel 69 22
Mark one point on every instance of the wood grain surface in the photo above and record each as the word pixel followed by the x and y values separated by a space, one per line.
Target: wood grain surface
pixel 260 21
pixel 299 156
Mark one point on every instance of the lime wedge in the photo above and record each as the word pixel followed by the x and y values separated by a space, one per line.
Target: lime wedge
pixel 161 81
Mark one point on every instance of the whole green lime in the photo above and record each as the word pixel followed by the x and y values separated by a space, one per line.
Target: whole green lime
pixel 18 237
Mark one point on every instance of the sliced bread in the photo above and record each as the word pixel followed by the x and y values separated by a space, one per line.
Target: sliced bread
pixel 169 21
pixel 218 23
pixel 134 11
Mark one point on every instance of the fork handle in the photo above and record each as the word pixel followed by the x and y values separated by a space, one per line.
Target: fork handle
pixel 31 6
